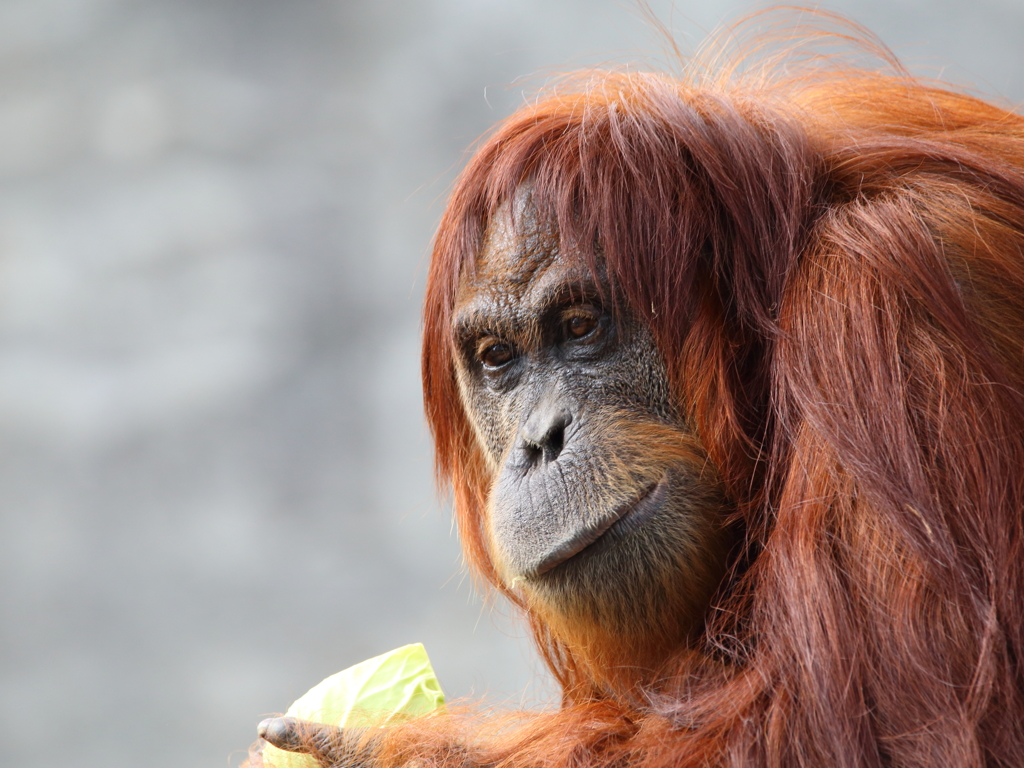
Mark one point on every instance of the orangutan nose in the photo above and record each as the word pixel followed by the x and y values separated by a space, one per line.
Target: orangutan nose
pixel 542 436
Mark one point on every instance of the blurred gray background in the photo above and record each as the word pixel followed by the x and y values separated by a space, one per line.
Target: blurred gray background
pixel 215 482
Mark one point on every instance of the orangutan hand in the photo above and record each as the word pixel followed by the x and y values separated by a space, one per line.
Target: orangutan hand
pixel 331 746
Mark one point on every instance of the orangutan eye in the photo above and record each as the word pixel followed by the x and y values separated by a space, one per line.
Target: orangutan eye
pixel 494 354
pixel 580 323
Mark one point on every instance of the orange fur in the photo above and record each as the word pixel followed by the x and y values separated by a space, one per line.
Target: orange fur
pixel 831 262
pixel 831 259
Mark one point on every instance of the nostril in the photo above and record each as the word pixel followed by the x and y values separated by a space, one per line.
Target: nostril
pixel 555 442
pixel 542 436
pixel 533 452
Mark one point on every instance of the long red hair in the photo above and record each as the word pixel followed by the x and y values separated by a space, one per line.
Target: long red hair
pixel 832 263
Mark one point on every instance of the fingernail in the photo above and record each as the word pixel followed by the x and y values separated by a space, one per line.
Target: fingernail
pixel 264 727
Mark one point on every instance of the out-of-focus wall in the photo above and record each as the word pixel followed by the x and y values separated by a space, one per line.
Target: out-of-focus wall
pixel 215 482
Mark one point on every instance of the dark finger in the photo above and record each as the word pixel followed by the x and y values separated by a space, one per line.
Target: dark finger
pixel 282 732
pixel 326 743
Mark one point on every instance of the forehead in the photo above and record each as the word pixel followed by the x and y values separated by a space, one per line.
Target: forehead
pixel 519 262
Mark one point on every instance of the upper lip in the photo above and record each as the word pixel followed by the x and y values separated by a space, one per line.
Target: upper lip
pixel 637 509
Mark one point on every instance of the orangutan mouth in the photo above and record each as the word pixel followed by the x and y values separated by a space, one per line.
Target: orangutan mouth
pixel 622 520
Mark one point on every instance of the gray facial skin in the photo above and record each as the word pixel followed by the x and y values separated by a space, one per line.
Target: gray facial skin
pixel 603 508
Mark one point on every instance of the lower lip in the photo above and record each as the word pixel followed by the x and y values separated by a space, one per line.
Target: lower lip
pixel 640 512
pixel 623 521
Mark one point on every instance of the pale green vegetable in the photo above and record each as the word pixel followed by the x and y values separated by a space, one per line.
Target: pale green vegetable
pixel 375 692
